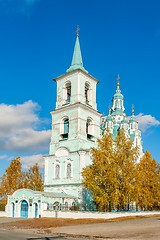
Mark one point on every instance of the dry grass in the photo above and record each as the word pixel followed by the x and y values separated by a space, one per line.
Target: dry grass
pixel 46 223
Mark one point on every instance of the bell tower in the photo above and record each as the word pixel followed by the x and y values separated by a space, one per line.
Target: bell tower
pixel 75 128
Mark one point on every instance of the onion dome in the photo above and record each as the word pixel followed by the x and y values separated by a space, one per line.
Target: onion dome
pixel 118 93
pixel 109 117
pixel 133 118
pixel 124 121
pixel 118 99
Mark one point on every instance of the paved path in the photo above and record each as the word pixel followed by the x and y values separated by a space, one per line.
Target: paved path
pixel 6 220
pixel 12 235
pixel 146 228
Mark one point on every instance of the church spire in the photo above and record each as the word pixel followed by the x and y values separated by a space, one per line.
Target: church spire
pixel 77 62
pixel 118 108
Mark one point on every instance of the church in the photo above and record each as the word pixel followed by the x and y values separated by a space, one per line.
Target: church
pixel 76 124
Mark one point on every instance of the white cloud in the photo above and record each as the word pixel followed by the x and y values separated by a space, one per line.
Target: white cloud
pixel 146 121
pixel 29 161
pixel 3 157
pixel 18 128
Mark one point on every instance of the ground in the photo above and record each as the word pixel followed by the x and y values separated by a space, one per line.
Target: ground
pixel 129 228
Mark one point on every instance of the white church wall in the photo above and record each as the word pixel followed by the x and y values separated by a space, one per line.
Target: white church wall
pixel 96 215
pixel 3 214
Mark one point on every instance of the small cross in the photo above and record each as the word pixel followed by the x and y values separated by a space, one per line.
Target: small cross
pixel 103 117
pixel 132 109
pixel 118 81
pixel 109 109
pixel 77 30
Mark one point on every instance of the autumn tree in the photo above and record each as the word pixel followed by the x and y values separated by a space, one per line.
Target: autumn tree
pixel 111 177
pixel 148 182
pixel 12 180
pixel 34 179
pixel 125 160
pixel 99 177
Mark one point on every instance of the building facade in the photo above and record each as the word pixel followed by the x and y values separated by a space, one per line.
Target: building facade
pixel 76 124
pixel 117 119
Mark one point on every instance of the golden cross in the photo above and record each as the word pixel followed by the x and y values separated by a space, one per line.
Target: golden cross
pixel 103 116
pixel 77 30
pixel 109 109
pixel 118 81
pixel 132 109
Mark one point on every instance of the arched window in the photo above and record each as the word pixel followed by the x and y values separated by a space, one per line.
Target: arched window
pixel 89 129
pixel 116 103
pixel 68 87
pixel 67 92
pixel 57 171
pixel 68 170
pixel 88 123
pixel 87 93
pixel 66 205
pixel 47 206
pixel 56 206
pixel 64 128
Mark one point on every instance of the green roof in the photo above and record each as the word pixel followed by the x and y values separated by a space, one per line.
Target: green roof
pixel 58 195
pixel 117 112
pixel 77 62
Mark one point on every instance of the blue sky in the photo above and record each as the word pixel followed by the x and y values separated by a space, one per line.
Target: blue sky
pixel 36 45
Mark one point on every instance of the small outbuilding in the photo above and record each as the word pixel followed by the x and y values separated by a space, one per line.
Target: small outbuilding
pixel 32 204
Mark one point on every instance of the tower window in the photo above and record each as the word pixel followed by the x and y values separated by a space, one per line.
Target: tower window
pixel 89 129
pixel 68 170
pixel 86 94
pixel 64 128
pixel 88 123
pixel 57 172
pixel 67 92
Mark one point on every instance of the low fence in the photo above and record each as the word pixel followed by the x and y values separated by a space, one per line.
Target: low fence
pixel 97 215
pixel 3 214
pixel 81 207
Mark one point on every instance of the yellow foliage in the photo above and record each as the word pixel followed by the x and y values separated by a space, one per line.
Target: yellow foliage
pixel 115 178
pixel 111 176
pixel 14 179
pixel 34 179
pixel 148 182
